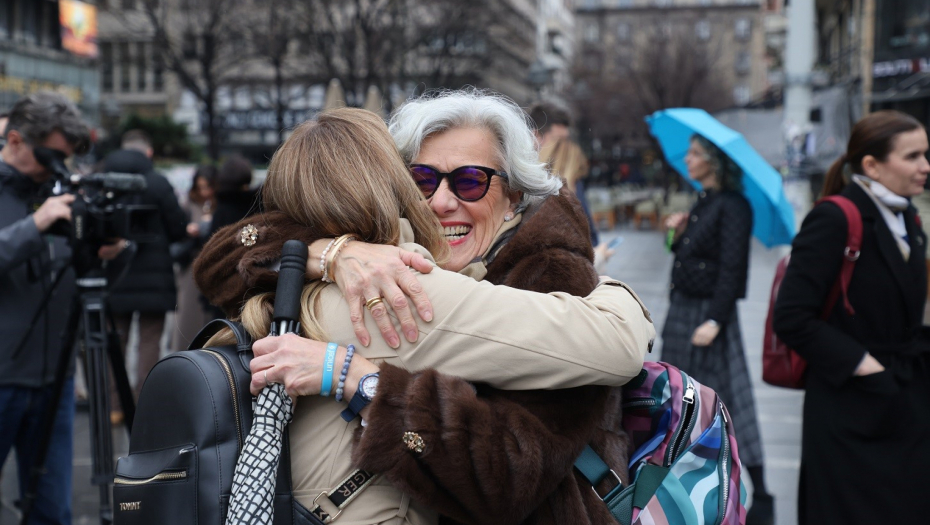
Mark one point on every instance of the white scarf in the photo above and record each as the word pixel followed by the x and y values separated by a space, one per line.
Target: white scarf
pixel 891 206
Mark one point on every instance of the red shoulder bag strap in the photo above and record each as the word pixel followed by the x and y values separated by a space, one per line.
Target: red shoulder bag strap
pixel 850 254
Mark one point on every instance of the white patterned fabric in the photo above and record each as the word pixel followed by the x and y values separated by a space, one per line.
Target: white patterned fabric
pixel 252 501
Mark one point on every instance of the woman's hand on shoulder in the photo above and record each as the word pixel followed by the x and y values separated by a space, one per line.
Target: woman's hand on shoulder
pixel 368 271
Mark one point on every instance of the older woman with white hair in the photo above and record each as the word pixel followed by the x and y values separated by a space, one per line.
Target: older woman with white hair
pixel 468 451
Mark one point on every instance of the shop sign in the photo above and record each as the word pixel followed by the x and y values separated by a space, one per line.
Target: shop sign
pixel 78 27
pixel 23 87
pixel 904 66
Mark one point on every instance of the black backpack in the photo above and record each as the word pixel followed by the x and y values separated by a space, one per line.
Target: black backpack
pixel 193 415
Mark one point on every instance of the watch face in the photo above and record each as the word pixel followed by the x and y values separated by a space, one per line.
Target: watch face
pixel 369 386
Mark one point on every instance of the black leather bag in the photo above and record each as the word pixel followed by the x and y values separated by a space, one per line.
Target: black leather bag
pixel 193 416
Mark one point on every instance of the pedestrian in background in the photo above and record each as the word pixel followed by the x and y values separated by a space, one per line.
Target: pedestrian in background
pixel 864 453
pixel 192 312
pixel 148 286
pixel 565 159
pixel 702 333
pixel 235 199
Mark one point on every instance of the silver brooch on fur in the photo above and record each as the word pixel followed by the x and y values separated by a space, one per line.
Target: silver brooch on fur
pixel 248 235
pixel 414 442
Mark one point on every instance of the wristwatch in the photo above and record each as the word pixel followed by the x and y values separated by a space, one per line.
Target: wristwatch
pixel 367 388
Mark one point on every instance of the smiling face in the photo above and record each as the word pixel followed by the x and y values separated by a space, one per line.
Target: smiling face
pixel 470 227
pixel 904 171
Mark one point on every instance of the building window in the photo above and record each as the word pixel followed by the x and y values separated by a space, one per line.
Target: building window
pixel 6 20
pixel 702 30
pixel 106 67
pixel 158 75
pixel 125 68
pixel 623 32
pixel 142 68
pixel 743 62
pixel 741 95
pixel 742 29
pixel 592 62
pixel 28 13
pixel 664 30
pixel 592 32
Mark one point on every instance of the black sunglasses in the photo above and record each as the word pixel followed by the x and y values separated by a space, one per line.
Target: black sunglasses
pixel 468 183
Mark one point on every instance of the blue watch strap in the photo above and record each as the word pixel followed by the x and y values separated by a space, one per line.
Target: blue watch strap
pixel 358 401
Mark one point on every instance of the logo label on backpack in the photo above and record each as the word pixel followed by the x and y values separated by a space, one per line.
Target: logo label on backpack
pixel 131 505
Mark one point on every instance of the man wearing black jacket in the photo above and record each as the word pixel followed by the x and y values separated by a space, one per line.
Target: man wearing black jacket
pixel 148 287
pixel 30 261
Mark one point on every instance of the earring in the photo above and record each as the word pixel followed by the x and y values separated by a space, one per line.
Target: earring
pixel 508 217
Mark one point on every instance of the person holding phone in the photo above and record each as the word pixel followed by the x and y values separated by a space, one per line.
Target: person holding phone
pixel 702 332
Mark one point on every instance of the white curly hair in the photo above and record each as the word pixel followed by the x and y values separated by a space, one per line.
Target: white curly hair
pixel 442 110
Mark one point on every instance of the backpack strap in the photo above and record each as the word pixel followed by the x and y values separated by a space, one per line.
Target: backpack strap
pixel 850 253
pixel 590 465
pixel 243 339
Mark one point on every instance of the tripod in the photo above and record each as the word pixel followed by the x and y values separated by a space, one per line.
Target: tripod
pixel 99 342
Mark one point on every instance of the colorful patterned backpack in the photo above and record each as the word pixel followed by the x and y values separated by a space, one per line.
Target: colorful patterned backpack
pixel 685 469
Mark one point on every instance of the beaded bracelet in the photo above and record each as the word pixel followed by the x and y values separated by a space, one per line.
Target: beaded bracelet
pixel 323 261
pixel 331 259
pixel 340 387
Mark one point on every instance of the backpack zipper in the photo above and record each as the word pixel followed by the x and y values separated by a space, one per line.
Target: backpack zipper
pixel 161 476
pixel 235 393
pixel 640 402
pixel 724 478
pixel 687 422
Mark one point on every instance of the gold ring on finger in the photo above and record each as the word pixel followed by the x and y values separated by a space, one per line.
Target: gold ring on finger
pixel 371 303
pixel 265 372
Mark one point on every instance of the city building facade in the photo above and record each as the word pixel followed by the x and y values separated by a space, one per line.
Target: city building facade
pixel 265 81
pixel 35 54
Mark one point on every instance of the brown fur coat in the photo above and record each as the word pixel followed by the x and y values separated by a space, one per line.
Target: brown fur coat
pixel 492 456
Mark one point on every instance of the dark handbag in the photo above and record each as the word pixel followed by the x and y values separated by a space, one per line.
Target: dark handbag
pixel 782 366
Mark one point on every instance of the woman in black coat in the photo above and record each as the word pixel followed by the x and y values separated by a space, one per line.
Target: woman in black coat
pixel 702 334
pixel 865 450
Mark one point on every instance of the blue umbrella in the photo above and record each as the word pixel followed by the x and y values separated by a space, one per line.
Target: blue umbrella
pixel 773 217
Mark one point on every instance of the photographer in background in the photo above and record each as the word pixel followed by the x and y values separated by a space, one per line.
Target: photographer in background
pixel 148 287
pixel 29 262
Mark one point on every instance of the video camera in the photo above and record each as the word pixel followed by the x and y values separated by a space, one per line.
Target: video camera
pixel 101 210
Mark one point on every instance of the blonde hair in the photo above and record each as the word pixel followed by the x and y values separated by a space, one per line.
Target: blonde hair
pixel 338 174
pixel 566 160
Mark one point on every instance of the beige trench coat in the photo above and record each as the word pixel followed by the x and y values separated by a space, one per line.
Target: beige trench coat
pixel 510 339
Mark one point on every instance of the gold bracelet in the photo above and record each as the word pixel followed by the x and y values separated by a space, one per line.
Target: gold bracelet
pixel 333 253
